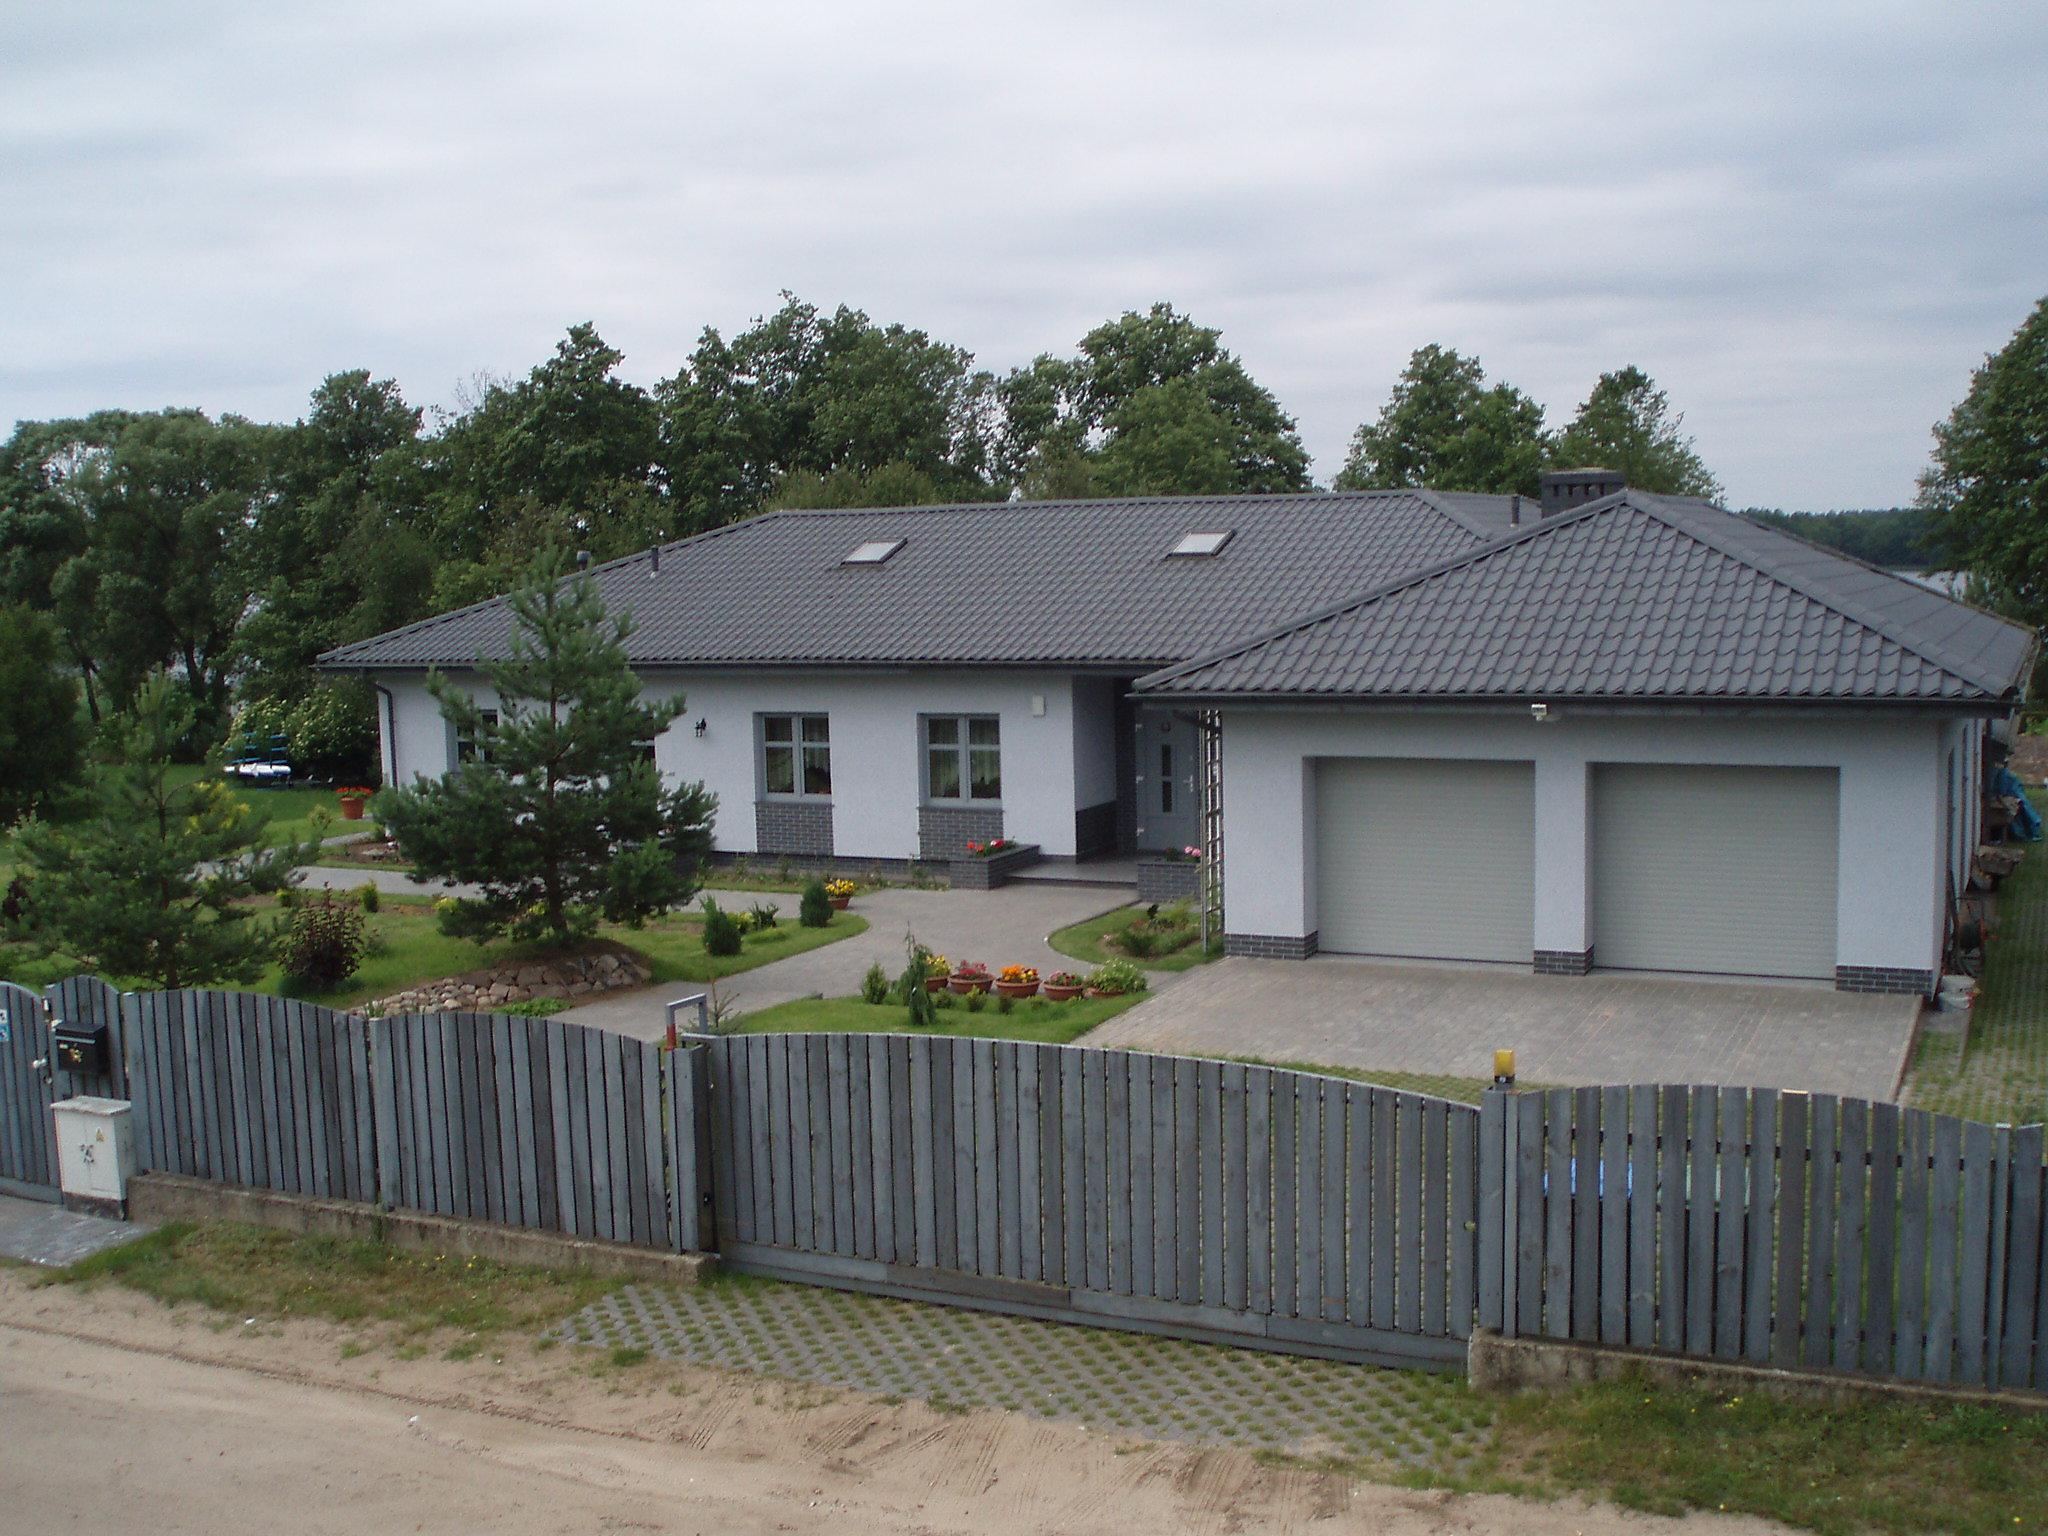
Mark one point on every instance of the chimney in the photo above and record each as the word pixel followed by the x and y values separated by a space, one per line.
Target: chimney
pixel 654 561
pixel 1564 489
pixel 1514 511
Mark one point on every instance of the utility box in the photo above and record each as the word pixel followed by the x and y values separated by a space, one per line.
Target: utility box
pixel 95 1154
pixel 81 1049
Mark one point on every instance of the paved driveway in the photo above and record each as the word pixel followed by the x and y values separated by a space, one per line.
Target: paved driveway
pixel 1001 927
pixel 1565 1030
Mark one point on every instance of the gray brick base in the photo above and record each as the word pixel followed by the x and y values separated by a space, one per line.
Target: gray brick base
pixel 1168 880
pixel 973 873
pixel 1563 962
pixel 1095 830
pixel 944 831
pixel 1269 946
pixel 1883 978
pixel 801 828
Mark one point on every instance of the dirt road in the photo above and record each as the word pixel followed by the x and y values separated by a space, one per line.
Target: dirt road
pixel 116 1414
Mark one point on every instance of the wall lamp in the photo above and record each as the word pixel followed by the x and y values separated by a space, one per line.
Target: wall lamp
pixel 1539 713
pixel 700 727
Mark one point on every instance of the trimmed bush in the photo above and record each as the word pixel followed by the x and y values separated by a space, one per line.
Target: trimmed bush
pixel 721 933
pixel 367 895
pixel 874 987
pixel 815 909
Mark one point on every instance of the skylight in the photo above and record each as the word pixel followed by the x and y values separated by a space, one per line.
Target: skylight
pixel 1203 544
pixel 874 552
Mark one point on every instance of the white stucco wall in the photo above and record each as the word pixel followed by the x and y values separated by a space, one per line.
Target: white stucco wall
pixel 1891 876
pixel 1094 740
pixel 876 746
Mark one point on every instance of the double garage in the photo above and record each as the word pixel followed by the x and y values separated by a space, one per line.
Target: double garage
pixel 1713 869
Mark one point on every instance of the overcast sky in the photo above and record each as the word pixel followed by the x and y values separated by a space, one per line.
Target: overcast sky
pixel 1807 221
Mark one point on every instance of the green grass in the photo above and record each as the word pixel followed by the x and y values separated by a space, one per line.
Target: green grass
pixel 255 1272
pixel 1031 1018
pixel 291 811
pixel 1084 941
pixel 411 949
pixel 1466 1090
pixel 1999 1070
pixel 1856 1466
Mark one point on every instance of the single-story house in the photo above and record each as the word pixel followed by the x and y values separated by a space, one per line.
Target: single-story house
pixel 1599 727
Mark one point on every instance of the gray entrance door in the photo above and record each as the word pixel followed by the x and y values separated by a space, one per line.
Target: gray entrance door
pixel 28 1143
pixel 1169 755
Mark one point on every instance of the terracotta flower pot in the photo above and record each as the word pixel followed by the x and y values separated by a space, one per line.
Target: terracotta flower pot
pixel 352 808
pixel 1098 992
pixel 840 903
pixel 1063 994
pixel 935 983
pixel 1016 988
pixel 963 984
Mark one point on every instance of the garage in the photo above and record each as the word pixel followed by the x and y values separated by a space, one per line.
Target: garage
pixel 1715 869
pixel 1428 858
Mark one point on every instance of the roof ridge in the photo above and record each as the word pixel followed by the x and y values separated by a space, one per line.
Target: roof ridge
pixel 1020 504
pixel 1664 510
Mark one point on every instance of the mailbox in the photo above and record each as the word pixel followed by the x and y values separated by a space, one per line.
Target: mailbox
pixel 81 1049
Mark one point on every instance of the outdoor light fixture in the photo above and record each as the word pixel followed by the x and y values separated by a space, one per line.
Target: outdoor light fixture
pixel 701 726
pixel 1539 713
pixel 1503 1069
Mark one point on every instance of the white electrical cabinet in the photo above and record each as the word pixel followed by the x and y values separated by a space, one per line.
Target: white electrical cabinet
pixel 95 1152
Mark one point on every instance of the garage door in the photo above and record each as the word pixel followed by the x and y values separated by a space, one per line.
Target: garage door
pixel 1715 869
pixel 1426 858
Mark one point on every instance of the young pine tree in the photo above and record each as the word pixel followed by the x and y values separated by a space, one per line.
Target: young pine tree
pixel 151 883
pixel 559 817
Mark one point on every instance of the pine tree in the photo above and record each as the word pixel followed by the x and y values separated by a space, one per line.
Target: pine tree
pixel 560 816
pixel 153 886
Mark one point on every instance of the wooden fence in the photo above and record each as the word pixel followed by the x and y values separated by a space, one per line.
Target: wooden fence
pixel 1774 1227
pixel 1202 1198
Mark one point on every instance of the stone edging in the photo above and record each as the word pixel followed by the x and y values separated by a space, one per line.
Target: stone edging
pixel 604 970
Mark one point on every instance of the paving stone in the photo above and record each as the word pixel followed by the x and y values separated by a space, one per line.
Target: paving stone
pixel 1167 1389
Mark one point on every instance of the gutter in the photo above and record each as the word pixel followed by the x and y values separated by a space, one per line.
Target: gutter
pixel 388 729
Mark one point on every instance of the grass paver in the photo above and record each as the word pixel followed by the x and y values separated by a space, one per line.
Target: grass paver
pixel 1167 1389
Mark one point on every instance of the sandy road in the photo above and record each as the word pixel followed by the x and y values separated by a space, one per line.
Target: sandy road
pixel 117 1415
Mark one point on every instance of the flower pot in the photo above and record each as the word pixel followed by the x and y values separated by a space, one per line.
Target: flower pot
pixel 1063 994
pixel 935 983
pixel 1016 988
pixel 962 985
pixel 1098 992
pixel 352 809
pixel 840 903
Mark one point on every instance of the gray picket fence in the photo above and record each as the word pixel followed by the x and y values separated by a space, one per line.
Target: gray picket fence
pixel 1213 1200
pixel 1771 1227
pixel 1202 1198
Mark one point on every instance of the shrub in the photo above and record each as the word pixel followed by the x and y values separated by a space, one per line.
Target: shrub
pixel 534 1007
pixel 721 933
pixel 322 944
pixel 1158 932
pixel 874 987
pixel 910 988
pixel 1117 978
pixel 367 896
pixel 815 909
pixel 976 1001
pixel 764 916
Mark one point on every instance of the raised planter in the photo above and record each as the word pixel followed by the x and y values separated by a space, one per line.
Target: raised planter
pixel 971 872
pixel 1168 880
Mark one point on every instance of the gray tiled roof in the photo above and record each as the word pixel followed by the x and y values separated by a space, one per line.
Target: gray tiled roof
pixel 1079 582
pixel 1635 597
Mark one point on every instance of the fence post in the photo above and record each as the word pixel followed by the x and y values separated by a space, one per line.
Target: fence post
pixel 692 1225
pixel 384 1111
pixel 1499 1144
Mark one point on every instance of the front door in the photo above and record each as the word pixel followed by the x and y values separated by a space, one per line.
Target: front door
pixel 1169 803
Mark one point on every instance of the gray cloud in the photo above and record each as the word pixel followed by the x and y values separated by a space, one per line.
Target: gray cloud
pixel 1809 222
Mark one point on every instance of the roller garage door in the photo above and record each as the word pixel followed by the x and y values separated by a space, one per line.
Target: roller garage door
pixel 1715 869
pixel 1426 858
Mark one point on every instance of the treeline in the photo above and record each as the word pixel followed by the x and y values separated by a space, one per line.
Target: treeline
pixel 1897 538
pixel 233 552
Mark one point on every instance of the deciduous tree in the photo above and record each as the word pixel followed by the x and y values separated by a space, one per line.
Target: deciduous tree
pixel 39 731
pixel 1627 424
pixel 1443 428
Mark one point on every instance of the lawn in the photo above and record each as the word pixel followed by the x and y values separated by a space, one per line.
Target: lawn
pixel 409 948
pixel 1033 1018
pixel 291 811
pixel 1999 1070
pixel 1084 941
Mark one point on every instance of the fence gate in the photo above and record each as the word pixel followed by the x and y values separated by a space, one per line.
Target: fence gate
pixel 1206 1199
pixel 28 1142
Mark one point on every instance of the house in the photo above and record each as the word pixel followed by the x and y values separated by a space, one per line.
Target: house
pixel 1602 727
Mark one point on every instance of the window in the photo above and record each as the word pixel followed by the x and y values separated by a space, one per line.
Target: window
pixel 1203 544
pixel 796 755
pixel 467 748
pixel 963 758
pixel 873 552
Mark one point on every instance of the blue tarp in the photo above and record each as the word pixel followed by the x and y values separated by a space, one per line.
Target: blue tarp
pixel 2026 823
